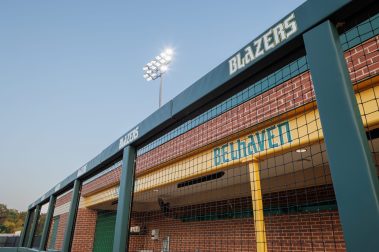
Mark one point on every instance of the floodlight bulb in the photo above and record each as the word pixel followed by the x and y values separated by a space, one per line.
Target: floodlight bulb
pixel 169 51
pixel 164 68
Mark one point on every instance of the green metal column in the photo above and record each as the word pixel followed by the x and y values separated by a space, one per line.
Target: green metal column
pixel 25 228
pixel 46 227
pixel 34 226
pixel 70 228
pixel 125 199
pixel 353 171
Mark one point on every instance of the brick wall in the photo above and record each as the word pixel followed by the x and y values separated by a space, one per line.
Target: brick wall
pixel 363 60
pixel 276 101
pixel 109 179
pixel 316 231
pixel 294 232
pixel 84 234
pixel 64 199
pixel 60 232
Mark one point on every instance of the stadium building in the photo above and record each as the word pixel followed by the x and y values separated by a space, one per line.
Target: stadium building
pixel 275 149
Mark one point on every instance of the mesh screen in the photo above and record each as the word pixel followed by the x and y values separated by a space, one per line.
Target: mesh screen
pixel 363 66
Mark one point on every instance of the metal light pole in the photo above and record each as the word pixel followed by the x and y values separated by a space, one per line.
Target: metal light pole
pixel 156 68
pixel 160 90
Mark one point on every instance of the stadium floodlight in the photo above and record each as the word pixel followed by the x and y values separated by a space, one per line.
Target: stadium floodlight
pixel 157 67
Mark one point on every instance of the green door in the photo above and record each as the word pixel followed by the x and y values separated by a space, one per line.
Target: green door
pixel 104 233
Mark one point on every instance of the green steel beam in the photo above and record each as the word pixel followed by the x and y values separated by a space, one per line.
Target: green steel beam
pixel 353 172
pixel 46 227
pixel 70 228
pixel 33 227
pixel 125 199
pixel 9 249
pixel 25 228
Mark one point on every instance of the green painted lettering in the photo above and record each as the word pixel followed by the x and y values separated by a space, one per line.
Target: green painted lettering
pixel 270 137
pixel 251 146
pixel 241 148
pixel 233 153
pixel 216 156
pixel 288 132
pixel 261 140
pixel 224 153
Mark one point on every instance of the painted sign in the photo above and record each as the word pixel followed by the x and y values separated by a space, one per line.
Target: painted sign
pixel 128 138
pixel 269 40
pixel 81 170
pixel 271 137
pixel 282 136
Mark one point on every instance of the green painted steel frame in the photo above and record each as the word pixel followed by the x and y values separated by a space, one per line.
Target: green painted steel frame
pixel 26 223
pixel 353 171
pixel 46 227
pixel 69 232
pixel 124 207
pixel 33 228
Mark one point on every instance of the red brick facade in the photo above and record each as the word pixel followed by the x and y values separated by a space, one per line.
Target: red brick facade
pixel 293 232
pixel 84 234
pixel 363 60
pixel 60 232
pixel 110 179
pixel 319 230
pixel 276 101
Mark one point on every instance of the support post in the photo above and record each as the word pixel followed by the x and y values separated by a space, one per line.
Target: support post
pixel 353 172
pixel 25 228
pixel 70 228
pixel 160 90
pixel 33 227
pixel 125 199
pixel 256 197
pixel 46 227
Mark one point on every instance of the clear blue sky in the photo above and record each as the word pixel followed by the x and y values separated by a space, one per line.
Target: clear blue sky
pixel 71 74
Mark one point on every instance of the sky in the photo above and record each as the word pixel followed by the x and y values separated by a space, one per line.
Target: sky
pixel 71 74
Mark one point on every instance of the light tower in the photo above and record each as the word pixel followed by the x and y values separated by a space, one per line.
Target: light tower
pixel 157 67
